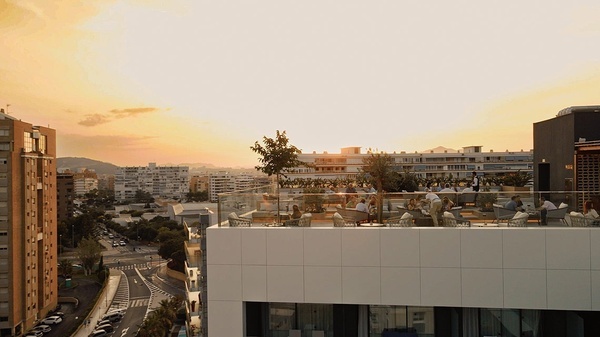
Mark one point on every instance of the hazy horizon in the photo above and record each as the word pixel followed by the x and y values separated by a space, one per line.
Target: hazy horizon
pixel 131 82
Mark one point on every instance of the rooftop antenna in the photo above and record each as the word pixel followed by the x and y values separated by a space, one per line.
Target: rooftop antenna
pixel 7 108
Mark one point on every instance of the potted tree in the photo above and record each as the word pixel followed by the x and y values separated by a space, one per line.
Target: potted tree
pixel 277 157
pixel 516 181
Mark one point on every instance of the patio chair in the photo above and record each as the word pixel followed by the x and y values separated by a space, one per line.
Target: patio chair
pixel 406 220
pixel 557 214
pixel 502 213
pixel 451 221
pixel 303 221
pixel 237 221
pixel 579 220
pixel 340 221
pixel 519 220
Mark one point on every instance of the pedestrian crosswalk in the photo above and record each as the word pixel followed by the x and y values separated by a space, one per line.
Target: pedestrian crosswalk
pixel 139 302
pixel 145 265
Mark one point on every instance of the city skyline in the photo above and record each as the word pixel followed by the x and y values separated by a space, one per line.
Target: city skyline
pixel 131 82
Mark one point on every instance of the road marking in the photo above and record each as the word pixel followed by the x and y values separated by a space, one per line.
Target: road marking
pixel 139 303
pixel 124 332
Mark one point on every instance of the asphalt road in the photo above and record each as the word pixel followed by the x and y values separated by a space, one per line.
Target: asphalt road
pixel 139 296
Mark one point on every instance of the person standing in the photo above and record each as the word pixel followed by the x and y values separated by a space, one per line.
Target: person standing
pixel 435 205
pixel 475 182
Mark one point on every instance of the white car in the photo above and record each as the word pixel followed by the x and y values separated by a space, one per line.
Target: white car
pixel 43 328
pixel 34 334
pixel 51 320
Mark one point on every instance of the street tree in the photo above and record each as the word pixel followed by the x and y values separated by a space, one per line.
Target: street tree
pixel 278 156
pixel 88 252
pixel 65 267
pixel 378 169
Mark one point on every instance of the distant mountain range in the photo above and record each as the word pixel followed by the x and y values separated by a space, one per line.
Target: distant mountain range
pixel 76 163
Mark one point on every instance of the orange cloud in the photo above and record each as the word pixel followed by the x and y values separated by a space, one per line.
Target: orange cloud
pixel 94 119
pixel 131 111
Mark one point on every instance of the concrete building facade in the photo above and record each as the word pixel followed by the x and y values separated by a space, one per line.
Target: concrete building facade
pixel 159 181
pixel 430 165
pixel 65 188
pixel 28 224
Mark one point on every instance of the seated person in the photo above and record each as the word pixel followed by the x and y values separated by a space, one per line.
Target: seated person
pixel 589 211
pixel 362 206
pixel 513 204
pixel 447 204
pixel 412 205
pixel 467 189
pixel 545 206
pixel 372 204
pixel 296 214
pixel 351 202
pixel 447 189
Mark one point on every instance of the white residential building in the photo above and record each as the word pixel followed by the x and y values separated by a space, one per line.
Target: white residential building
pixel 223 181
pixel 83 185
pixel 433 164
pixel 159 181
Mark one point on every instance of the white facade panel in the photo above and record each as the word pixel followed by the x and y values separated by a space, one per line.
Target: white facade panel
pixel 570 289
pixel 254 283
pixel 322 284
pixel 285 284
pixel 568 249
pixel 400 248
pixel 482 288
pixel 285 247
pixel 254 247
pixel 595 288
pixel 226 318
pixel 361 285
pixel 524 288
pixel 225 282
pixel 438 247
pixel 524 248
pixel 326 244
pixel 481 248
pixel 360 247
pixel 440 287
pixel 401 285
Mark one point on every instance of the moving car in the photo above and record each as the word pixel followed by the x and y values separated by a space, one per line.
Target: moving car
pixel 51 320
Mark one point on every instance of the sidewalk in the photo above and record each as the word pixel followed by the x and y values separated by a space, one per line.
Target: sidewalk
pixel 102 305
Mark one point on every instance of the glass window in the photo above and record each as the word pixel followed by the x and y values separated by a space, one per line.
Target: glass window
pixel 282 316
pixel 28 142
pixel 401 319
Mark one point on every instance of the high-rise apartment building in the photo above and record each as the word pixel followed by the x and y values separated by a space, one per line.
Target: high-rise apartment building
pixel 28 232
pixel 159 181
pixel 65 188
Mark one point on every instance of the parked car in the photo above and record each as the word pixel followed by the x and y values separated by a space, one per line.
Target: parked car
pixel 110 236
pixel 60 313
pixel 113 317
pixel 51 320
pixel 102 323
pixel 115 244
pixel 106 327
pixel 98 333
pixel 43 328
pixel 122 243
pixel 33 333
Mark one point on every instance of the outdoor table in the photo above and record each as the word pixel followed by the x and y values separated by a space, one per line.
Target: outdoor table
pixel 481 224
pixel 273 224
pixel 371 224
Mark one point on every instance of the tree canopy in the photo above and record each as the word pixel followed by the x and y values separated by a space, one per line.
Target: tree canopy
pixel 277 155
pixel 378 168
pixel 88 252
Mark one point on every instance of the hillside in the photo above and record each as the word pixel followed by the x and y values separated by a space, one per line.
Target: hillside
pixel 76 163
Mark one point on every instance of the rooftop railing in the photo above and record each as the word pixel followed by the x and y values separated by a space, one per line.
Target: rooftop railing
pixel 488 205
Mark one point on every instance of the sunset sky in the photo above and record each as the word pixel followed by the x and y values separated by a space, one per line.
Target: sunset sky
pixel 137 81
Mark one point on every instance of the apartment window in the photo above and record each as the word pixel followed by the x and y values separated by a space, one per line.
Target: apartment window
pixel 28 142
pixel 4 132
pixel 3 305
pixel 4 147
